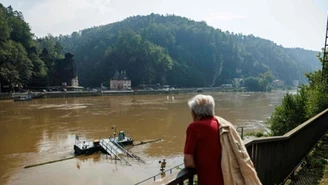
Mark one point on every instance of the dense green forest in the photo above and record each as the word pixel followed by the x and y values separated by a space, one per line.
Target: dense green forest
pixel 178 51
pixel 27 62
pixel 151 49
pixel 19 61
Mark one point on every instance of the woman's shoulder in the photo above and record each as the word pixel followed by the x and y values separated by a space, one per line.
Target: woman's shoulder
pixel 222 122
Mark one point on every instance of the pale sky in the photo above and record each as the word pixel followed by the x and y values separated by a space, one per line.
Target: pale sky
pixel 291 23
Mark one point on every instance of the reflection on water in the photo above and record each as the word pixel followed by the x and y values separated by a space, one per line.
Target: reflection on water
pixel 44 129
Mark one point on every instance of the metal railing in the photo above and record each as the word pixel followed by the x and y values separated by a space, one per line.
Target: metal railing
pixel 153 178
pixel 241 131
pixel 109 149
pixel 275 158
pixel 185 175
pixel 128 153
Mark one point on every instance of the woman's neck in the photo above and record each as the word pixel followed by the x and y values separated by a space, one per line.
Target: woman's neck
pixel 198 118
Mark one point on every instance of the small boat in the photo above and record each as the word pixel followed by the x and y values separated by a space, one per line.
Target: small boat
pixel 23 98
pixel 27 96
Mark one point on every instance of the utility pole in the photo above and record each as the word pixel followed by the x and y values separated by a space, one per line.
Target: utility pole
pixel 114 127
pixel 324 59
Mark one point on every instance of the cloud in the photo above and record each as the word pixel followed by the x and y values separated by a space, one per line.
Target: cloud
pixel 63 16
pixel 224 16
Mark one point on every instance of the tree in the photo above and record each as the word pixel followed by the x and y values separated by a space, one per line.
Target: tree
pixel 4 28
pixel 290 113
pixel 19 60
pixel 253 84
pixel 295 109
pixel 143 61
pixel 16 67
pixel 54 48
pixel 39 71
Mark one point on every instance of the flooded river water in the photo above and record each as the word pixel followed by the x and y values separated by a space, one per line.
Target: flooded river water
pixel 44 129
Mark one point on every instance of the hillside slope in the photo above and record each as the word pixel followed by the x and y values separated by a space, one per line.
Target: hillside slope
pixel 178 51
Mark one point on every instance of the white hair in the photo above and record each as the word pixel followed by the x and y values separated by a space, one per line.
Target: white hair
pixel 202 105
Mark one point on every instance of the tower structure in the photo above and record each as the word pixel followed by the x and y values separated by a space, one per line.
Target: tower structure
pixel 325 57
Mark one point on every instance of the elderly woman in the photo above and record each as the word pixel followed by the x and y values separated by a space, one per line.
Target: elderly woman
pixel 215 149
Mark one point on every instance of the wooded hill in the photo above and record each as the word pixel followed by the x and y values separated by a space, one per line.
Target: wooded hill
pixel 151 49
pixel 178 51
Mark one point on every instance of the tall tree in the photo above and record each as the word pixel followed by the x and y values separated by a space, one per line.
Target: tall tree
pixel 19 60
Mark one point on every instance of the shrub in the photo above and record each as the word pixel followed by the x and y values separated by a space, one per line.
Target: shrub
pixel 257 133
pixel 307 102
pixel 290 113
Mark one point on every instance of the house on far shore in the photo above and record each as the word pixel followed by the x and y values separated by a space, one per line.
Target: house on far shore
pixel 120 81
pixel 278 83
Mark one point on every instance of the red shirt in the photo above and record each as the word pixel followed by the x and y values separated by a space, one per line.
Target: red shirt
pixel 203 142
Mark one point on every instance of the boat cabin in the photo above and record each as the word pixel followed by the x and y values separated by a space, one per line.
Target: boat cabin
pixel 121 136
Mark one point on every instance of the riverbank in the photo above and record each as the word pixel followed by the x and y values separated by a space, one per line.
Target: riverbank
pixel 62 94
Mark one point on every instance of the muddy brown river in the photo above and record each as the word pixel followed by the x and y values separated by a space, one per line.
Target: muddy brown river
pixel 42 130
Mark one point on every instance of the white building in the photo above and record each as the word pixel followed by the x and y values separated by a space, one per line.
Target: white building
pixel 278 83
pixel 75 82
pixel 120 81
